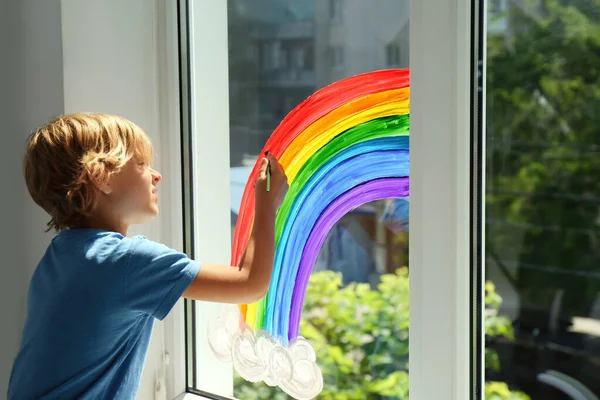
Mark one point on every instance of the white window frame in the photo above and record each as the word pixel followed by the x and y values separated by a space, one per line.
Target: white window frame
pixel 440 59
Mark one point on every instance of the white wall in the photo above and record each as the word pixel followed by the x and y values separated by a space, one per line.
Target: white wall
pixel 57 57
pixel 31 82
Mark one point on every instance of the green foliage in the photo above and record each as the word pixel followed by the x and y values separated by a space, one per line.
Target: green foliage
pixel 543 158
pixel 497 326
pixel 500 391
pixel 360 336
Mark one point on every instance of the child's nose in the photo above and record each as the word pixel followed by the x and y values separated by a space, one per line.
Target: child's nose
pixel 157 177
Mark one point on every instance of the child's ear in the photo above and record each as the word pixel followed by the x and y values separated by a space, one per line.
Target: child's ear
pixel 99 184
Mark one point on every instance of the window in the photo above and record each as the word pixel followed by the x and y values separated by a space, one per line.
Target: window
pixel 224 137
pixel 392 53
pixel 273 56
pixel 337 56
pixel 542 199
pixel 266 55
pixel 299 54
pixel 335 10
pixel 365 253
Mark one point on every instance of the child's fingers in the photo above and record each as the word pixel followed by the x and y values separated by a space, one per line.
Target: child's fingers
pixel 262 174
pixel 275 164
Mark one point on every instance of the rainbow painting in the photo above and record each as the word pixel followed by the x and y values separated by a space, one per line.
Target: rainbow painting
pixel 346 145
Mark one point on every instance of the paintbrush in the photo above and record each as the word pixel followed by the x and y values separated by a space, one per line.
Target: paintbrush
pixel 268 174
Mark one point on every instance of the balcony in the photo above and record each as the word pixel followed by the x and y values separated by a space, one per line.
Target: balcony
pixel 284 31
pixel 288 78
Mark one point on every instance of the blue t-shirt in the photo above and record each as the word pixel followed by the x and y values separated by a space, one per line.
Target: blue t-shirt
pixel 91 307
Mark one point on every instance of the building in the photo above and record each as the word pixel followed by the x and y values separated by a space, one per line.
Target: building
pixel 354 36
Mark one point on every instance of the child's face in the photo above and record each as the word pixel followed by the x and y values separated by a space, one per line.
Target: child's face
pixel 132 198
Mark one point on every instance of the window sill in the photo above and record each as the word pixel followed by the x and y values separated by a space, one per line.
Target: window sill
pixel 193 396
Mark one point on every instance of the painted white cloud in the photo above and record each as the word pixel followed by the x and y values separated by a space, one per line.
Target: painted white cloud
pixel 257 357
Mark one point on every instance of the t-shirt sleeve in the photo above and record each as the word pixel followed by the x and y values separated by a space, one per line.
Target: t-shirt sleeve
pixel 157 276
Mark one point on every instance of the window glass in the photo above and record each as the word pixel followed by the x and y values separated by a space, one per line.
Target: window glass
pixel 542 197
pixel 362 266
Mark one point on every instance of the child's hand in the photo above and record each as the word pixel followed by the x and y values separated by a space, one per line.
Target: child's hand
pixel 271 200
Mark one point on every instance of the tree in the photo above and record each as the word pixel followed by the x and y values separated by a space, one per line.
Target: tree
pixel 543 161
pixel 360 336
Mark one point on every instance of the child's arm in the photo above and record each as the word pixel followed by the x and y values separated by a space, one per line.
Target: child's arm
pixel 249 281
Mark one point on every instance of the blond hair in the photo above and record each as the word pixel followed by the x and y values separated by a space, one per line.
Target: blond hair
pixel 67 154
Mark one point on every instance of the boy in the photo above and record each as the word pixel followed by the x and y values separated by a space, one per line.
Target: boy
pixel 95 293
